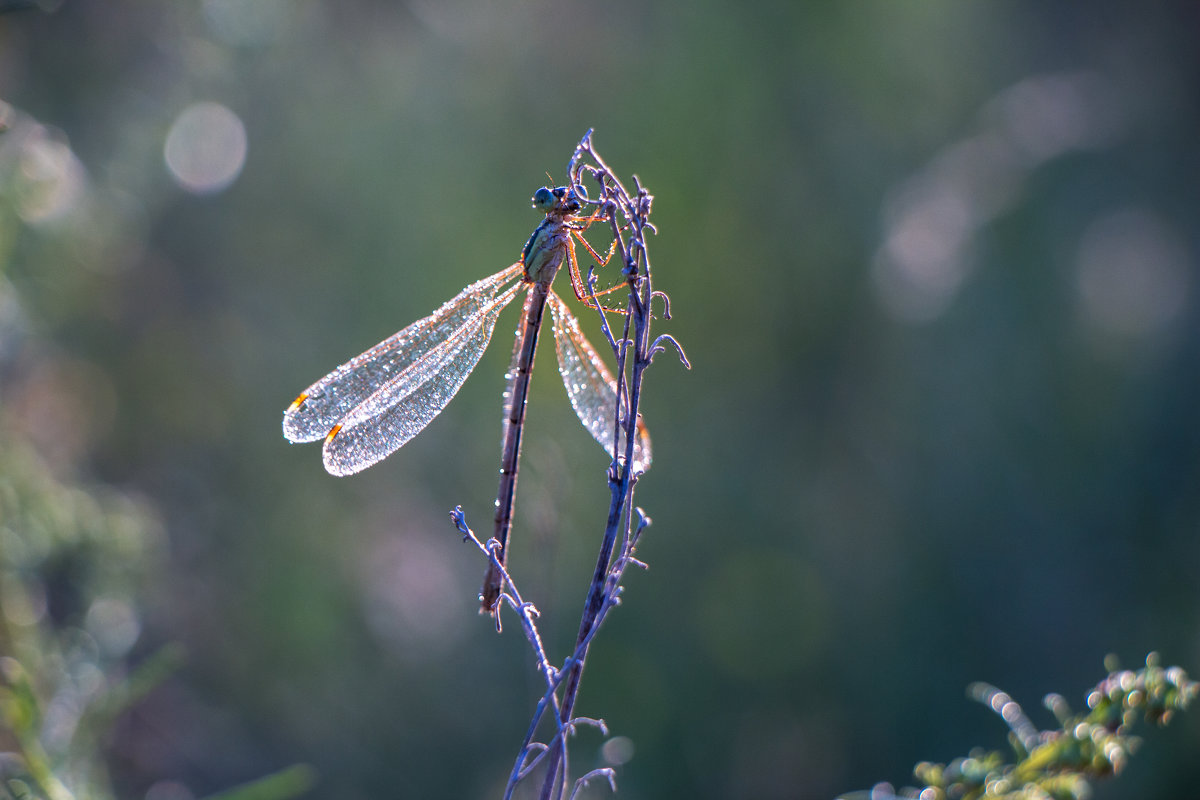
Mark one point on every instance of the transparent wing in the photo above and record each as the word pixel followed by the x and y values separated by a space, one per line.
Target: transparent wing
pixel 399 409
pixel 326 402
pixel 591 387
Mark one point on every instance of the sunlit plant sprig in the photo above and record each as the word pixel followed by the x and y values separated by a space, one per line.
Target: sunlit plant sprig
pixel 627 213
pixel 1059 763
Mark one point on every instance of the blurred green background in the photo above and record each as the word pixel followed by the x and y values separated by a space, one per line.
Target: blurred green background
pixel 934 264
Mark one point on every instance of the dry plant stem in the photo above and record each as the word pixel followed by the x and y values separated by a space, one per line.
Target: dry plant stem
pixel 527 614
pixel 603 591
pixel 628 217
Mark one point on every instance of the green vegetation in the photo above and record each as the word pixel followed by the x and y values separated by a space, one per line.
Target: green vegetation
pixel 935 268
pixel 1063 763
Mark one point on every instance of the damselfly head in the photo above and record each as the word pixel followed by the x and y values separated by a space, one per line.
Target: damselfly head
pixel 561 200
pixel 544 200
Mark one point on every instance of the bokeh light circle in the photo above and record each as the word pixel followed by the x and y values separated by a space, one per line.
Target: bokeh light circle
pixel 205 148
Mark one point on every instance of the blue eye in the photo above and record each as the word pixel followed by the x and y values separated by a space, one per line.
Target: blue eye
pixel 543 199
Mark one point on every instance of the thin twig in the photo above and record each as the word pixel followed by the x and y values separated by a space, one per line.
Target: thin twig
pixel 604 590
pixel 627 214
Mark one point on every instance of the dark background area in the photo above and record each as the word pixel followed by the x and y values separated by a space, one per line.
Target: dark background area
pixel 934 265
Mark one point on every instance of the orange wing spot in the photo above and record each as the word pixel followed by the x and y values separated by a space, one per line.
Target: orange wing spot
pixel 297 403
pixel 333 432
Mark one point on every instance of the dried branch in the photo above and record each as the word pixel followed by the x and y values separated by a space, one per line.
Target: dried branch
pixel 627 214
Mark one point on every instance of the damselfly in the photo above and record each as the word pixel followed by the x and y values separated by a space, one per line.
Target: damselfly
pixel 373 404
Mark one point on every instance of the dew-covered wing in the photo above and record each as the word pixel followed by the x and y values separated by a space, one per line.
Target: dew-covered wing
pixel 399 409
pixel 590 386
pixel 329 400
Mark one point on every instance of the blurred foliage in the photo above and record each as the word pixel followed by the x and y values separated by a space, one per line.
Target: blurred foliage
pixel 935 266
pixel 70 561
pixel 1060 764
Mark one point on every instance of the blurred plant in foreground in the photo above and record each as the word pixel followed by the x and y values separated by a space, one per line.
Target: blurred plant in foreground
pixel 70 560
pixel 73 556
pixel 1056 764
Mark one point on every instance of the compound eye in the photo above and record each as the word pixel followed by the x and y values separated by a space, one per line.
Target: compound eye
pixel 544 199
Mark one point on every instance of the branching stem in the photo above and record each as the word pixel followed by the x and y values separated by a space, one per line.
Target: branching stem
pixel 628 216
